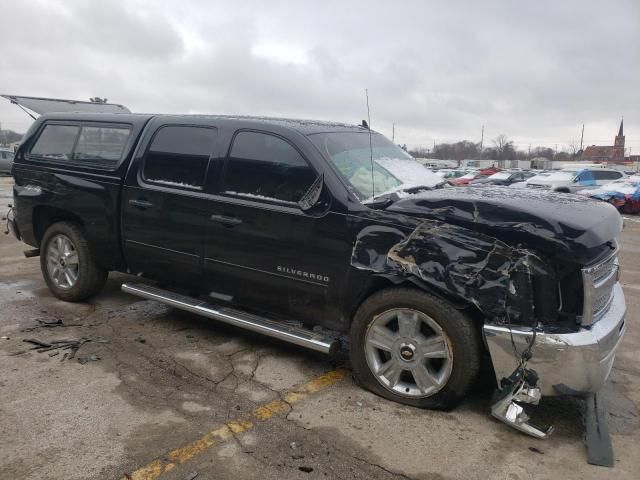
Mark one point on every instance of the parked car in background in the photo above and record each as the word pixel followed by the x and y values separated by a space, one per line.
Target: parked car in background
pixel 450 173
pixel 570 180
pixel 473 175
pixel 624 194
pixel 6 160
pixel 537 175
pixel 505 178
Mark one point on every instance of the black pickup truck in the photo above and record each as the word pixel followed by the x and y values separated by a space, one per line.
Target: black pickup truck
pixel 297 229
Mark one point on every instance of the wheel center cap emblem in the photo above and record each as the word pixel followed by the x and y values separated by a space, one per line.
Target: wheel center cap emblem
pixel 406 352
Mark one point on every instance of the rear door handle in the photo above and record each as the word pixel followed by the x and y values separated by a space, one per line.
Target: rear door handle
pixel 228 221
pixel 141 203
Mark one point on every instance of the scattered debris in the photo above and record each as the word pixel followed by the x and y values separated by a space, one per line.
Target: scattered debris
pixel 191 476
pixel 37 342
pixel 598 439
pixel 51 322
pixel 90 358
pixel 141 340
pixel 66 344
pixel 293 445
pixel 536 450
pixel 4 337
pixel 305 469
pixel 19 352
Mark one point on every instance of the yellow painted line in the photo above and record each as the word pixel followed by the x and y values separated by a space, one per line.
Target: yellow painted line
pixel 225 432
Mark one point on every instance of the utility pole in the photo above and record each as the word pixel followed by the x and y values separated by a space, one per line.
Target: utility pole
pixel 556 154
pixel 582 137
pixel 393 133
pixel 529 155
pixel 481 140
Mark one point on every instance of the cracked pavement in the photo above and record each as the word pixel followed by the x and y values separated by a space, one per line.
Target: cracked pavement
pixel 164 378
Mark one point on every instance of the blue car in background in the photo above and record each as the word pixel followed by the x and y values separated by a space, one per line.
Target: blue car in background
pixel 570 180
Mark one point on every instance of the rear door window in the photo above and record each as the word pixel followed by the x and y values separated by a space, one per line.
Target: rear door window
pixel 179 155
pixel 266 167
pixel 56 142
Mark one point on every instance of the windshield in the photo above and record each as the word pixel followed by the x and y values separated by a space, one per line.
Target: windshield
pixel 500 176
pixel 393 168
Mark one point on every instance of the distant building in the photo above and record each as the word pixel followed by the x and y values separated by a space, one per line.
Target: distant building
pixel 541 163
pixel 609 154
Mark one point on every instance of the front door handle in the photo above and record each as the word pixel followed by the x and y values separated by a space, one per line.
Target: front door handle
pixel 141 204
pixel 228 221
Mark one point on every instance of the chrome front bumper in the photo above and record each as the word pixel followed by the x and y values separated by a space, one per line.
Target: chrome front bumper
pixel 566 363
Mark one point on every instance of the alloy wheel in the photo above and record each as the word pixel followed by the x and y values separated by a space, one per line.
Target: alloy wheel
pixel 408 352
pixel 62 262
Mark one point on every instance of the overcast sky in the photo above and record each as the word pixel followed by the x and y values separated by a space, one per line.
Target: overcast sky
pixel 533 70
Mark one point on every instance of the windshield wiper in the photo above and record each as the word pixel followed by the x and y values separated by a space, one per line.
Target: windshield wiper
pixel 382 201
pixel 417 188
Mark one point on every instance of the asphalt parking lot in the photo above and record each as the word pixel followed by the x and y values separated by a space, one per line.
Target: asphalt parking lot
pixel 158 393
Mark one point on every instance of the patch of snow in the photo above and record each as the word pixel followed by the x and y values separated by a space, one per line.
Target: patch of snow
pixel 258 197
pixel 409 171
pixel 174 184
pixel 625 186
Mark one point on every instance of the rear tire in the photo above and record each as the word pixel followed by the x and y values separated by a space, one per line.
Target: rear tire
pixel 414 348
pixel 68 266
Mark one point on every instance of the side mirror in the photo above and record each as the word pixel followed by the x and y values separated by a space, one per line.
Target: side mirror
pixel 312 196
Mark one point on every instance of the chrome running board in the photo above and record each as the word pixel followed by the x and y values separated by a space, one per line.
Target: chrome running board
pixel 282 331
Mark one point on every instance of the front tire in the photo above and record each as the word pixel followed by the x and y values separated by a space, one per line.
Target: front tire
pixel 414 348
pixel 68 266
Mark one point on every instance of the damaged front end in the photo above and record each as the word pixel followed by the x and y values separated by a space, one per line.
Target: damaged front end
pixel 521 387
pixel 553 314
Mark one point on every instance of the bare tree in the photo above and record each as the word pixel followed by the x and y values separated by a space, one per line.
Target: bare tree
pixel 503 147
pixel 574 148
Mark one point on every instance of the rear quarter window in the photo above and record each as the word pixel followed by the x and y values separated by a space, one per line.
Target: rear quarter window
pixel 56 142
pixel 100 146
pixel 103 144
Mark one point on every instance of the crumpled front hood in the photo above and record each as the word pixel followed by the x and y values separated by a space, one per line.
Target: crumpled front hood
pixel 543 220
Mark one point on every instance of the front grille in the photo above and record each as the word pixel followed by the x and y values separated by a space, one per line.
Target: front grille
pixel 598 281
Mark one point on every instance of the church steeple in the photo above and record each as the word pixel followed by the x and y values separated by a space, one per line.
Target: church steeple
pixel 619 141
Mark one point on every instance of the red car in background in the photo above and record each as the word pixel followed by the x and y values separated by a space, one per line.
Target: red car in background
pixel 475 175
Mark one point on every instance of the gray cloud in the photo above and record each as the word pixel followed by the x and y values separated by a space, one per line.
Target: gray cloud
pixel 532 70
